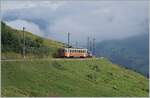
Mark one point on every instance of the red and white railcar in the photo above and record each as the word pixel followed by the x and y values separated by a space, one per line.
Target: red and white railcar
pixel 74 52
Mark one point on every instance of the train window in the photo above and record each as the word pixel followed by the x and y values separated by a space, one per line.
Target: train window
pixel 65 50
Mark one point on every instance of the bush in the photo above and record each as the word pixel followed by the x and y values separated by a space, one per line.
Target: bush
pixel 57 65
pixel 91 76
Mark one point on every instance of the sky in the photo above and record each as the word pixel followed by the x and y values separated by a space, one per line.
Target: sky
pixel 102 20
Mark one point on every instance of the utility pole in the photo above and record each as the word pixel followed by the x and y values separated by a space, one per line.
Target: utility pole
pixel 90 45
pixel 24 42
pixel 88 42
pixel 68 39
pixel 94 46
pixel 76 44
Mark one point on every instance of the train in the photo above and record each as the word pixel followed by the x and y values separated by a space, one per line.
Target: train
pixel 74 53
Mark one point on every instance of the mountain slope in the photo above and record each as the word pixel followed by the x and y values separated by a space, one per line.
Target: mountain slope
pixel 131 52
pixel 62 77
pixel 12 44
pixel 95 77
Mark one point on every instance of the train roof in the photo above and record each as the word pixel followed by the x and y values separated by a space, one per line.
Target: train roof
pixel 75 48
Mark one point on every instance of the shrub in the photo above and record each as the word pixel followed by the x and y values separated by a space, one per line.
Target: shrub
pixel 57 65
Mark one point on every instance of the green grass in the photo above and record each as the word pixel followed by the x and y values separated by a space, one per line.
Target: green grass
pixel 12 44
pixel 70 78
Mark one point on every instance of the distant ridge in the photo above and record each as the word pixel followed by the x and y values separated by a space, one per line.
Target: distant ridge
pixel 132 52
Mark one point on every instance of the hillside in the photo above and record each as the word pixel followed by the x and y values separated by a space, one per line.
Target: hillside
pixel 132 52
pixel 94 77
pixel 12 44
pixel 48 76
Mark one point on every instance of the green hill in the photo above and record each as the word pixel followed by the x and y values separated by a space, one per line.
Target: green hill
pixel 60 77
pixel 132 52
pixel 97 77
pixel 12 44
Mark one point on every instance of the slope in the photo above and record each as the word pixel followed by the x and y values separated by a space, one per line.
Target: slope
pixel 95 77
pixel 35 46
pixel 130 52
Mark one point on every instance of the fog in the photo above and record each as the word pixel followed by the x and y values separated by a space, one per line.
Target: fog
pixel 103 20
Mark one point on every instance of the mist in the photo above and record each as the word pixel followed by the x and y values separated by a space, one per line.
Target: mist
pixel 103 20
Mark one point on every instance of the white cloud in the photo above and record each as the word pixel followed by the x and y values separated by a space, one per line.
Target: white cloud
pixel 103 22
pixel 23 4
pixel 101 19
pixel 29 26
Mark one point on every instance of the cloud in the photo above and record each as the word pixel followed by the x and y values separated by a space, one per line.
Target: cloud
pixel 25 4
pixel 29 26
pixel 103 20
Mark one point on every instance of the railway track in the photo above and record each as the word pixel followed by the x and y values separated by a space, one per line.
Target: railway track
pixel 52 59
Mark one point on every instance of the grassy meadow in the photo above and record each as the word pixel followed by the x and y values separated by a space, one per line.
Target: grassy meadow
pixel 97 77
